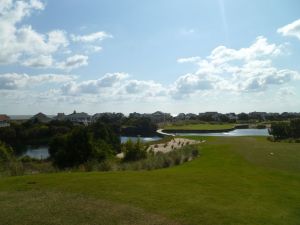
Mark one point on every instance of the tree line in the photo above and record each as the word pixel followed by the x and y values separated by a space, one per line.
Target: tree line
pixel 286 129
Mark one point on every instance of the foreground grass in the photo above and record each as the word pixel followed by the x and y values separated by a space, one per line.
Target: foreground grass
pixel 234 181
pixel 202 126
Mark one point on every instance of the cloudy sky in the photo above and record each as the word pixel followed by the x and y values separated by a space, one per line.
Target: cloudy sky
pixel 143 56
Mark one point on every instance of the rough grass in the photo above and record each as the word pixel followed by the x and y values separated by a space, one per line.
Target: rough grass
pixel 49 208
pixel 233 182
pixel 202 126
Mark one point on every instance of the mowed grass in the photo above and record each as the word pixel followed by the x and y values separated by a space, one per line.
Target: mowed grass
pixel 202 126
pixel 234 181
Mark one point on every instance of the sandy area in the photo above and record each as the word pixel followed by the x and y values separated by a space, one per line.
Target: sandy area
pixel 175 143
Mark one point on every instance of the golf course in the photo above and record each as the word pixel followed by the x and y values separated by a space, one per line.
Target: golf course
pixel 199 126
pixel 235 180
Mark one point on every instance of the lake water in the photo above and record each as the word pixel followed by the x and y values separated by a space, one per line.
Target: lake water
pixel 234 133
pixel 143 139
pixel 40 152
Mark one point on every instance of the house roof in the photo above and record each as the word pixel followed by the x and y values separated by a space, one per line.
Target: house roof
pixel 74 115
pixel 4 117
pixel 41 117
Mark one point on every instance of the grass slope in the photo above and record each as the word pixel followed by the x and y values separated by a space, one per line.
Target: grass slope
pixel 204 126
pixel 234 181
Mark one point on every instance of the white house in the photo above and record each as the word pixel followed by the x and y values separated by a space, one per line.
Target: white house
pixel 82 117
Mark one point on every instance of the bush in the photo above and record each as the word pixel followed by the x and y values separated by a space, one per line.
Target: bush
pixel 295 128
pixel 6 153
pixel 134 151
pixel 280 130
pixel 163 160
pixel 283 130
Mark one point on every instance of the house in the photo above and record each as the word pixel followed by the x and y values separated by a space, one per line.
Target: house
pixel 41 118
pixel 158 117
pixel 82 117
pixel 60 116
pixel 4 121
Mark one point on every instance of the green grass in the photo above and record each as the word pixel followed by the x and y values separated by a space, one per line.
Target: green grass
pixel 234 181
pixel 204 126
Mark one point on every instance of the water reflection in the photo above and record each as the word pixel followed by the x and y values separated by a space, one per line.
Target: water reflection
pixel 234 133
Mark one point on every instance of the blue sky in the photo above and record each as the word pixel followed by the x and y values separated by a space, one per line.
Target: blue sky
pixel 124 56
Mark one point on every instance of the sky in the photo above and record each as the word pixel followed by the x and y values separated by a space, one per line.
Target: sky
pixel 142 56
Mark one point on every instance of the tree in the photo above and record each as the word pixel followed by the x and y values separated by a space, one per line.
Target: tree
pixel 295 128
pixel 280 130
pixel 243 116
pixel 78 147
pixel 71 150
pixel 103 131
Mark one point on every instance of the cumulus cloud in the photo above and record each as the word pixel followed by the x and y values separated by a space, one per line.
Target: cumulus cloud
pixel 97 36
pixel 191 83
pixel 73 62
pixel 22 41
pixel 109 80
pixel 14 81
pixel 236 70
pixel 42 61
pixel 22 44
pixel 189 59
pixel 114 86
pixel 292 29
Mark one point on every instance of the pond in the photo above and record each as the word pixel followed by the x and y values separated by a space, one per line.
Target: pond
pixel 37 152
pixel 234 133
pixel 41 152
pixel 143 139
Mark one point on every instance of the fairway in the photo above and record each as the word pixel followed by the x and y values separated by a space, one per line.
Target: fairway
pixel 204 126
pixel 237 180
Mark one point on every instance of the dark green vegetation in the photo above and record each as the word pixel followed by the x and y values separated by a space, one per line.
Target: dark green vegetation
pixel 33 132
pixel 134 151
pixel 96 142
pixel 72 145
pixel 238 180
pixel 284 130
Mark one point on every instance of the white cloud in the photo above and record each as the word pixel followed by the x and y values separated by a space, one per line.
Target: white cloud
pixel 21 44
pixel 286 92
pixel 18 42
pixel 73 62
pixel 114 87
pixel 14 81
pixel 97 36
pixel 189 59
pixel 242 70
pixel 110 80
pixel 42 61
pixel 292 29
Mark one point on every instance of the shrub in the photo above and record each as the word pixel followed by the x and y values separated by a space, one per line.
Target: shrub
pixel 280 130
pixel 6 153
pixel 134 151
pixel 162 160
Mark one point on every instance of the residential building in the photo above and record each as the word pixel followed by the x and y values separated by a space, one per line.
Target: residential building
pixel 4 121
